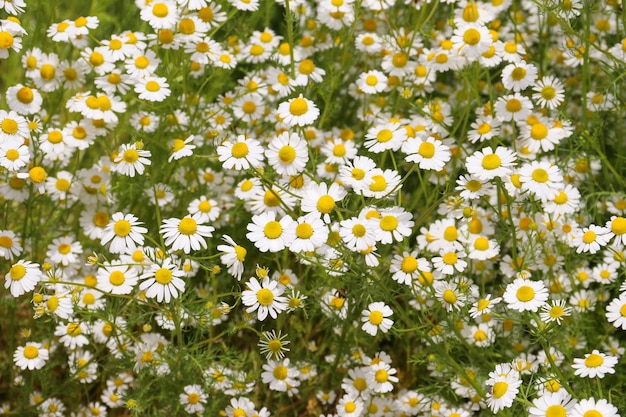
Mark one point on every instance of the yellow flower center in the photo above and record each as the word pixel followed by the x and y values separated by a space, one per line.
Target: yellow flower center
pixel 89 299
pixel 240 150
pixel 73 329
pixel 37 174
pixel 525 293
pixel 31 352
pixel 409 265
pixel 121 228
pixel 471 36
pixel 589 237
pixel 9 126
pixel 518 73
pixel 358 173
pixel 449 296
pixel 287 154
pixel 593 360
pixel 17 272
pixel 540 175
pixel 273 229
pixel 304 231
pixel 491 161
pixel 6 40
pixel 358 230
pixel 388 223
pixel 265 296
pixel 371 80
pixel 160 10
pixel 241 253
pixel 325 204
pixel 385 135
pixel 12 154
pixel 481 243
pixel 381 376
pixel 426 150
pixel 130 156
pixel 47 72
pixel 539 131
pixel 25 95
pixel 298 107
pixel 306 67
pixel 163 276
pixel 117 278
pixel 153 86
pixel 618 225
pixel 450 258
pixel 513 105
pixel 499 389
pixel 480 335
pixel 187 226
pixel 379 183
pixel 376 317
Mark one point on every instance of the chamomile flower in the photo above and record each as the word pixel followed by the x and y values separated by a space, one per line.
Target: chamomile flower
pixel 555 311
pixel 22 277
pixel 525 295
pixel 372 82
pixel 593 407
pixel 306 234
pixel 381 377
pixel 471 40
pixel 267 233
pixel 162 14
pixel 616 312
pixel 264 297
pixel 30 356
pixel 407 267
pixel 193 399
pixel 591 239
pixel 23 100
pixel 358 233
pixel 513 107
pixel 549 92
pixel 395 224
pixel 124 231
pixel 131 159
pixel 287 153
pixel 298 111
pixel 519 76
pixel 376 317
pixel 450 295
pixel 10 245
pixel 117 278
pixel 13 126
pixel 322 199
pixel 552 403
pixel 386 136
pixel 14 154
pixel 152 88
pixel 187 233
pixel 243 153
pixel 541 178
pixel 163 282
pixel 273 345
pixel 487 164
pixel 504 383
pixel 594 364
pixel 429 153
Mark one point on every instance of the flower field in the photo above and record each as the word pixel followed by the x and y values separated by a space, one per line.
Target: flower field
pixel 253 208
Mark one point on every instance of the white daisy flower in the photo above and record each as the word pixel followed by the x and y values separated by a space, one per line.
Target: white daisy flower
pixel 298 111
pixel 376 317
pixel 187 233
pixel 124 231
pixel 30 356
pixel 594 364
pixel 264 297
pixel 163 282
pixel 22 277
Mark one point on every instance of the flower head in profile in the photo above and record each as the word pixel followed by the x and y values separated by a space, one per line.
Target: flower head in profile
pixel 594 364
